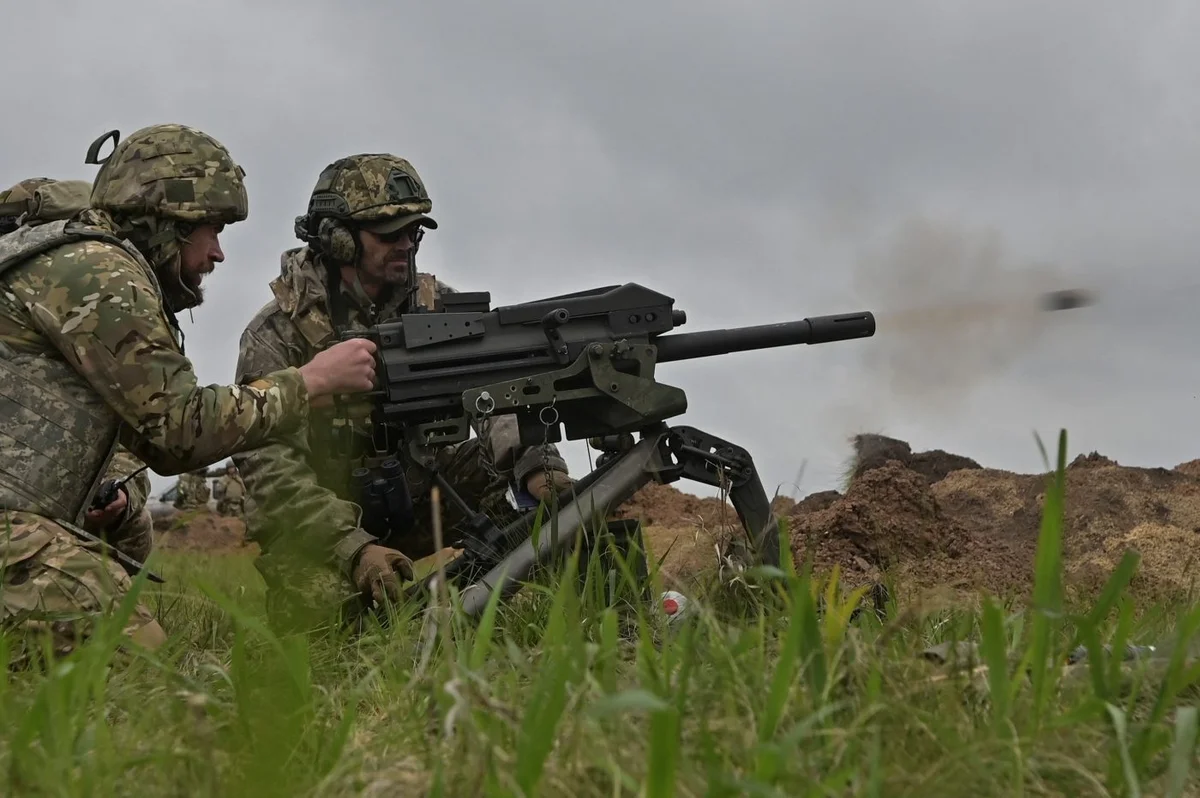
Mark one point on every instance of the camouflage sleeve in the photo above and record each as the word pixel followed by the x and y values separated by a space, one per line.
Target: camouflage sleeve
pixel 135 535
pixel 287 498
pixel 98 307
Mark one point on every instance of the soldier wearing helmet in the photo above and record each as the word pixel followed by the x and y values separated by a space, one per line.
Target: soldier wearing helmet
pixel 365 221
pixel 92 360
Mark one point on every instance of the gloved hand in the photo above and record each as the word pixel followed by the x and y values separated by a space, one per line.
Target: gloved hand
pixel 379 571
pixel 543 484
pixel 97 521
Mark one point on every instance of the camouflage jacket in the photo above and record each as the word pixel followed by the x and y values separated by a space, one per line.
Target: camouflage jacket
pixel 230 487
pixel 298 485
pixel 89 314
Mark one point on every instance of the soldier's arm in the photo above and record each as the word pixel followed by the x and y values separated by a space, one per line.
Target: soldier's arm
pixel 135 535
pixel 290 506
pixel 100 310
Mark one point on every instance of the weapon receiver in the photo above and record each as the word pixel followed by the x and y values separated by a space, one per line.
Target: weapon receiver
pixel 579 365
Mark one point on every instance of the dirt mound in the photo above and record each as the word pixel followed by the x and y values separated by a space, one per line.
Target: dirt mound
pixel 684 530
pixel 942 522
pixel 873 451
pixel 888 517
pixel 937 522
pixel 202 529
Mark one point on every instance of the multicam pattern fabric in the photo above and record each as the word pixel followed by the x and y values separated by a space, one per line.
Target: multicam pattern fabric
pixel 172 172
pixel 56 583
pixel 300 485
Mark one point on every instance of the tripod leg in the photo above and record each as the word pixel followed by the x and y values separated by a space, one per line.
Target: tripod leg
pixel 620 480
pixel 708 459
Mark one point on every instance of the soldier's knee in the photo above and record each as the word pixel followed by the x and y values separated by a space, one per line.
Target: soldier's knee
pixel 149 635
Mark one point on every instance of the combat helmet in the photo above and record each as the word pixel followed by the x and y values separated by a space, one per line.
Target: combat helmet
pixel 378 192
pixel 169 171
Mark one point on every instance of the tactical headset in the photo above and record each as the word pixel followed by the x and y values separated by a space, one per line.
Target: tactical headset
pixel 330 235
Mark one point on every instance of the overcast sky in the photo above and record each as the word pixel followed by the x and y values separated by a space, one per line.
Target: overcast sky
pixel 758 161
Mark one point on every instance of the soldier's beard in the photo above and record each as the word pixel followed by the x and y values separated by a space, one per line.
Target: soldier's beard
pixel 393 272
pixel 178 295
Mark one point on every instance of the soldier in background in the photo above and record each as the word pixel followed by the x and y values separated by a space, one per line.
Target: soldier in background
pixel 192 490
pixel 231 493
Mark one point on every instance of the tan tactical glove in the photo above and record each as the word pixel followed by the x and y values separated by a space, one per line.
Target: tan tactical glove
pixel 542 484
pixel 379 571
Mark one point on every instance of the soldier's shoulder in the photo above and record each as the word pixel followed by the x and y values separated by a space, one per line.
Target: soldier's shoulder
pixel 89 256
pixel 271 321
pixel 265 315
pixel 271 326
pixel 79 264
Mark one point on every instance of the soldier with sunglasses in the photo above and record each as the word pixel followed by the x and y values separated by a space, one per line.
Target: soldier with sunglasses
pixel 365 220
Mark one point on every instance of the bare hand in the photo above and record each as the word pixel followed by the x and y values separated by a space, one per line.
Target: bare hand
pixel 99 520
pixel 345 367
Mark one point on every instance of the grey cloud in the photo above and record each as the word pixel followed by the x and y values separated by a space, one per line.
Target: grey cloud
pixel 757 161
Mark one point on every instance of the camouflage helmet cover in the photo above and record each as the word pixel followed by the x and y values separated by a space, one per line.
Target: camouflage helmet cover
pixel 173 172
pixel 377 191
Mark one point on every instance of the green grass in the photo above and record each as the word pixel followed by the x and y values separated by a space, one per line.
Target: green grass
pixel 781 690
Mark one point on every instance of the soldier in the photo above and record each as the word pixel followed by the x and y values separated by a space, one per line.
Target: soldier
pixel 126 522
pixel 231 493
pixel 89 357
pixel 365 220
pixel 192 490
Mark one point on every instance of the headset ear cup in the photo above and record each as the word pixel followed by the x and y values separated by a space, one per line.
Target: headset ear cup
pixel 344 245
pixel 337 242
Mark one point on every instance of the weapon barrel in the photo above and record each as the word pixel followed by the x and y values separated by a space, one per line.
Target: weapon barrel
pixel 814 330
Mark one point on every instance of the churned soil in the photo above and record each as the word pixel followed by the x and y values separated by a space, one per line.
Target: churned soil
pixel 938 524
pixel 202 530
pixel 943 524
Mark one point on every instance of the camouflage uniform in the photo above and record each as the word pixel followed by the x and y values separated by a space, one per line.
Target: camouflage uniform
pixel 39 200
pixel 89 360
pixel 192 490
pixel 231 494
pixel 302 503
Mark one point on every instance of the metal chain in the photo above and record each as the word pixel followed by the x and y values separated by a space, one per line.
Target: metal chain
pixel 484 405
pixel 547 423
